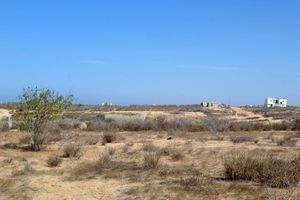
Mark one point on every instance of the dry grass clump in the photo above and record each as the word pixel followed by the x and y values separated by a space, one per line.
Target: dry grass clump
pixel 270 171
pixel 149 147
pixel 89 169
pixel 151 160
pixel 104 160
pixel 54 161
pixel 27 169
pixel 72 150
pixel 241 138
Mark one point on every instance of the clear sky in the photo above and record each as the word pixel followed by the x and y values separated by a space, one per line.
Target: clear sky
pixel 152 51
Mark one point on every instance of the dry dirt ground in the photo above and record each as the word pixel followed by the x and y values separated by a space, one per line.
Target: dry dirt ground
pixel 182 157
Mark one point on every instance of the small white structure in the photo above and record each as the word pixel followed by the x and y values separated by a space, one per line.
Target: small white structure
pixel 210 104
pixel 106 104
pixel 271 102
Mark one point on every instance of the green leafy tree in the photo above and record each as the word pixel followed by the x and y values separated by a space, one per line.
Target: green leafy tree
pixel 38 107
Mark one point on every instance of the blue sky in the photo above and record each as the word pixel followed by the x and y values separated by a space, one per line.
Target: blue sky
pixel 152 51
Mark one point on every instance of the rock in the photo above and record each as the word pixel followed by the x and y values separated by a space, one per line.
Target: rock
pixel 82 126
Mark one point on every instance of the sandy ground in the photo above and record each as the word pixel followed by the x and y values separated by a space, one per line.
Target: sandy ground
pixel 125 178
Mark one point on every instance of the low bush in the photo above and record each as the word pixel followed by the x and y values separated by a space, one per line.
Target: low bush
pixel 108 138
pixel 72 150
pixel 270 171
pixel 151 160
pixel 104 160
pixel 53 161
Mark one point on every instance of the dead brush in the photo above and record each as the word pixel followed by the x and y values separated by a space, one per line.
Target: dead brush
pixel 54 161
pixel 72 150
pixel 108 138
pixel 104 160
pixel 151 160
pixel 89 169
pixel 269 171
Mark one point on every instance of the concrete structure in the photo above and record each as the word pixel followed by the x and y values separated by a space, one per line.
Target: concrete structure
pixel 210 104
pixel 271 102
pixel 106 104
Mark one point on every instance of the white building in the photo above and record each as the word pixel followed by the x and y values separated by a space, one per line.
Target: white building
pixel 271 102
pixel 106 104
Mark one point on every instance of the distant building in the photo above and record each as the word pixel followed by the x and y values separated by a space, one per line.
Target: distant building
pixel 106 104
pixel 271 102
pixel 210 104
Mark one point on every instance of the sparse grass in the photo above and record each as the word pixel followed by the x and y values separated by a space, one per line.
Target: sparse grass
pixel 90 140
pixel 26 170
pixel 196 181
pixel 287 141
pixel 25 139
pixel 149 147
pixel 177 155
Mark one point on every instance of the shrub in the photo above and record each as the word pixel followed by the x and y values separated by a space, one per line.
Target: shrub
pixel 269 171
pixel 72 150
pixel 54 161
pixel 151 160
pixel 104 160
pixel 108 138
pixel 38 107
